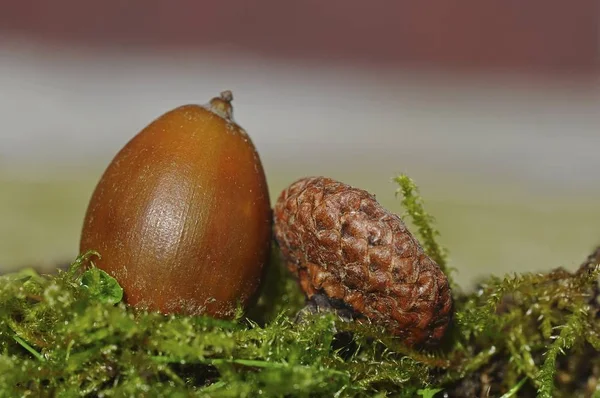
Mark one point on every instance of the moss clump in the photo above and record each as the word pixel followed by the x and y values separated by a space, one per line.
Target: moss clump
pixel 524 335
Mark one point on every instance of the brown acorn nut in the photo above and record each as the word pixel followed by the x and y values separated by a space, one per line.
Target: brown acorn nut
pixel 340 242
pixel 181 216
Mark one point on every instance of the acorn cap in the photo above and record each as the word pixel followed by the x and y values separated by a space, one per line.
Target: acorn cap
pixel 339 241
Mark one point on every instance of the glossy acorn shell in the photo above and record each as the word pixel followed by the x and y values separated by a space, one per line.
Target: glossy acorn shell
pixel 181 216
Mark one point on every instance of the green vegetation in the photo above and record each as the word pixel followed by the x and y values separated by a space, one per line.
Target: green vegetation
pixel 424 222
pixel 525 335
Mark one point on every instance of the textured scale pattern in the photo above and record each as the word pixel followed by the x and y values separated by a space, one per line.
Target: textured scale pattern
pixel 339 241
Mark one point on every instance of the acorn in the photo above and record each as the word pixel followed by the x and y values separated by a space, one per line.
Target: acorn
pixel 345 248
pixel 182 216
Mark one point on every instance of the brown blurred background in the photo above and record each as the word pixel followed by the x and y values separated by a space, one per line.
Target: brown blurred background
pixel 491 106
pixel 537 36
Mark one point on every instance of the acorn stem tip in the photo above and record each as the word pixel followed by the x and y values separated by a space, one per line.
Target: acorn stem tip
pixel 222 105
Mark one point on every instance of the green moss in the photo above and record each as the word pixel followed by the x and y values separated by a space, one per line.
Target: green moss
pixel 68 334
pixel 423 221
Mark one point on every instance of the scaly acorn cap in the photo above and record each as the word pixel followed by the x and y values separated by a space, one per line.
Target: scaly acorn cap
pixel 339 241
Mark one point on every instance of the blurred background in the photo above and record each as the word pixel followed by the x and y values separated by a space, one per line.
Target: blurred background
pixel 492 107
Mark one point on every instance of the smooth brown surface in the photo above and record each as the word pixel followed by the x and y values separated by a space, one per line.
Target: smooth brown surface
pixel 181 216
pixel 340 242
